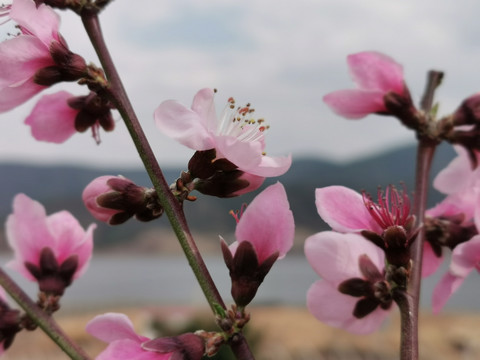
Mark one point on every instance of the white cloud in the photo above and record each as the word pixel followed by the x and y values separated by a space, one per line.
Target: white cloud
pixel 281 56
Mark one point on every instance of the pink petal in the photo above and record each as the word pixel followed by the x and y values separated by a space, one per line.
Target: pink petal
pixel 129 350
pixel 254 183
pixel 453 205
pixel 20 58
pixel 430 261
pixel 334 256
pixel 343 209
pixel 273 166
pixel 457 176
pixel 184 125
pixel 71 239
pixel 246 155
pixel 375 71
pixel 204 106
pixel 27 233
pixel 444 289
pixel 11 97
pixel 111 327
pixel 465 257
pixel 331 307
pixel 42 22
pixel 355 104
pixel 268 223
pixel 52 119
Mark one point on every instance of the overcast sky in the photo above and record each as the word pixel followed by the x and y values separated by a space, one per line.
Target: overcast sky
pixel 281 56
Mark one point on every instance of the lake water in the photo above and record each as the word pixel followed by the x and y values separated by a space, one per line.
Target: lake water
pixel 139 280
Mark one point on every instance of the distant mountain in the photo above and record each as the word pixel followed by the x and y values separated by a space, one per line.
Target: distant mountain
pixel 60 187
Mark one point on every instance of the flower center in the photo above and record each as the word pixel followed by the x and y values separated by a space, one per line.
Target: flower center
pixel 238 122
pixel 392 208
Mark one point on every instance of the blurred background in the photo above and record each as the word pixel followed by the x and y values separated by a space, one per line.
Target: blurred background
pixel 282 57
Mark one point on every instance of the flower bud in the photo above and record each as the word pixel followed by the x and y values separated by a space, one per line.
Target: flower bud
pixel 53 277
pixel 10 323
pixel 246 272
pixel 115 199
pixel 468 112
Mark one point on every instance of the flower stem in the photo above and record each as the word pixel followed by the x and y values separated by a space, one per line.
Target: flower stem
pixel 408 301
pixel 173 208
pixel 44 321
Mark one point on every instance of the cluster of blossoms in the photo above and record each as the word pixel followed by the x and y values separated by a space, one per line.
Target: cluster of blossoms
pixel 367 258
pixel 454 224
pixel 365 262
pixel 37 58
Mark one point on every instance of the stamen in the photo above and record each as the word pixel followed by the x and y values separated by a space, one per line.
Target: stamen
pixel 392 209
pixel 238 213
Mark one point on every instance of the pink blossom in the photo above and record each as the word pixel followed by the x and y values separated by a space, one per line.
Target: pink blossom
pixel 267 223
pixel 52 119
pixel 376 75
pixel 235 135
pixel 124 344
pixel 465 258
pixel 22 56
pixel 57 239
pixel 340 258
pixel 459 210
pixel 345 210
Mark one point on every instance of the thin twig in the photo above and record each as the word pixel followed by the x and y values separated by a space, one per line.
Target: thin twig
pixel 44 321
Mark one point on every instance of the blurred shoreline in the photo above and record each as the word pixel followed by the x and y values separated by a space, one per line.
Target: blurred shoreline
pixel 279 333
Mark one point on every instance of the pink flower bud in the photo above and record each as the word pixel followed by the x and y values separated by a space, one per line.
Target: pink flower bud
pixel 115 199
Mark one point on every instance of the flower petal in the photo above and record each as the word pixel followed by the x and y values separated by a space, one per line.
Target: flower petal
pixel 40 21
pixel 71 239
pixel 184 125
pixel 245 155
pixel 334 256
pixel 27 233
pixel 268 223
pixel 52 119
pixel 129 350
pixel 355 104
pixel 12 96
pixel 444 290
pixel 372 70
pixel 343 209
pixel 20 58
pixel 465 257
pixel 111 327
pixel 330 306
pixel 457 176
pixel 430 261
pixel 204 106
